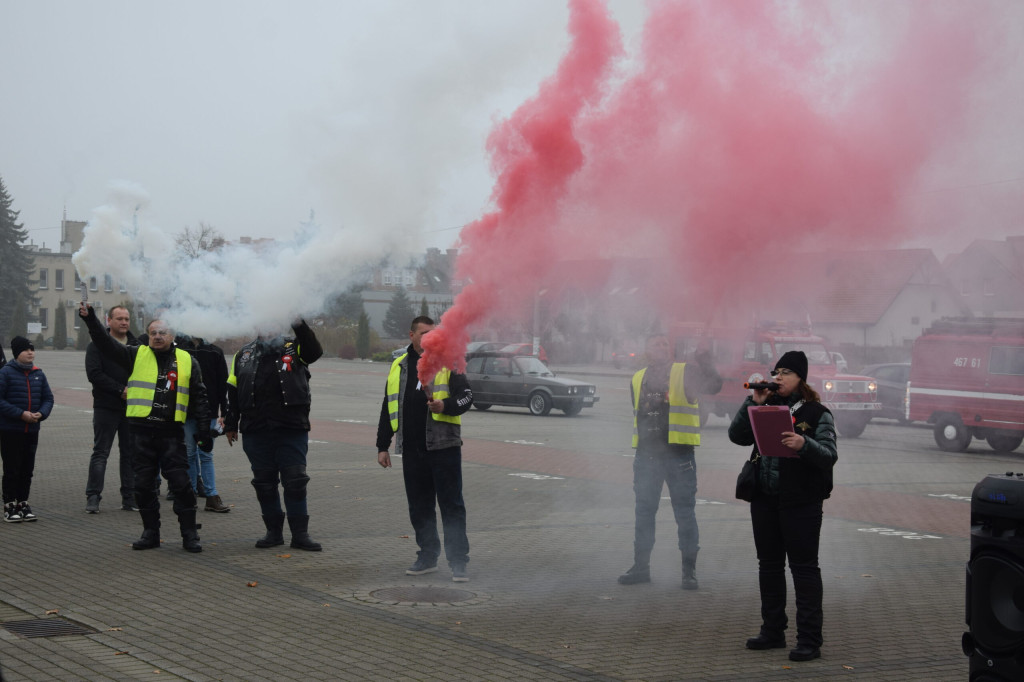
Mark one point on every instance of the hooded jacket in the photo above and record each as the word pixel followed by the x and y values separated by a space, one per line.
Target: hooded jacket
pixel 23 390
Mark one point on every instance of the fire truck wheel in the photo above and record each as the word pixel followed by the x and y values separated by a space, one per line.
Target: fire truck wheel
pixel 951 435
pixel 539 403
pixel 851 426
pixel 1005 442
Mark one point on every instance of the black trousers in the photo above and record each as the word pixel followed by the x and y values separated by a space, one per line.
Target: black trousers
pixel 18 450
pixel 793 533
pixel 160 450
pixel 436 475
pixel 105 425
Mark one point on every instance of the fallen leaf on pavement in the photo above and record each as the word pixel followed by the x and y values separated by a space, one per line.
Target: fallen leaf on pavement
pixel 404 536
pixel 866 575
pixel 847 667
pixel 252 584
pixel 120 653
pixel 52 612
pixel 114 629
pixel 284 556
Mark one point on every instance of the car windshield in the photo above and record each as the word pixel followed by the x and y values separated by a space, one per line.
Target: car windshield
pixel 815 352
pixel 533 367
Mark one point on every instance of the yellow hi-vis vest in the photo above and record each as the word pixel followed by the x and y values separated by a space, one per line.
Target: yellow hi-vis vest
pixel 683 416
pixel 142 384
pixel 440 393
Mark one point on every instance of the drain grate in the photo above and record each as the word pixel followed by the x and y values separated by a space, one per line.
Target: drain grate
pixel 421 595
pixel 45 627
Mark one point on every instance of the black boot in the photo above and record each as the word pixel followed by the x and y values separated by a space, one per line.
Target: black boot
pixel 637 573
pixel 275 528
pixel 299 526
pixel 150 530
pixel 189 531
pixel 689 574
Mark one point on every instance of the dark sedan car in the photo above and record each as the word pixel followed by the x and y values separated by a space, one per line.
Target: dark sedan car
pixel 525 381
pixel 892 378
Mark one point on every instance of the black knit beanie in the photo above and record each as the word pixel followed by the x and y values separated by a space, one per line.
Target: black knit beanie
pixel 794 360
pixel 19 344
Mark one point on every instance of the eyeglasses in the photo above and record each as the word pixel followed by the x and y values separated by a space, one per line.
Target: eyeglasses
pixel 160 332
pixel 782 372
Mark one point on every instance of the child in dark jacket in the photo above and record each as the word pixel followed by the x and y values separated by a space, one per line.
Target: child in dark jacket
pixel 25 400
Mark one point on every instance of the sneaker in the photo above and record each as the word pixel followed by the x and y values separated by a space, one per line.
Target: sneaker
pixel 215 504
pixel 170 495
pixel 459 573
pixel 92 505
pixel 11 513
pixel 129 506
pixel 26 512
pixel 422 566
pixel 636 574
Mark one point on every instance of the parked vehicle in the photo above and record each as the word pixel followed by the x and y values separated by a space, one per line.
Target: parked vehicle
pixel 967 378
pixel 892 378
pixel 399 352
pixel 525 381
pixel 839 361
pixel 627 356
pixel 475 347
pixel 748 355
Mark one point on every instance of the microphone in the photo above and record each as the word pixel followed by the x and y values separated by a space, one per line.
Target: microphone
pixel 761 385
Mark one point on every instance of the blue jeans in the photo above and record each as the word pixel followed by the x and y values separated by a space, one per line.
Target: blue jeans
pixel 200 462
pixel 278 455
pixel 651 471
pixel 436 475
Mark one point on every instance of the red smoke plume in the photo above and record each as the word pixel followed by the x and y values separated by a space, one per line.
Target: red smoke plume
pixel 739 136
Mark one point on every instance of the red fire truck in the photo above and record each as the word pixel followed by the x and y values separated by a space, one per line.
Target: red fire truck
pixel 967 378
pixel 747 355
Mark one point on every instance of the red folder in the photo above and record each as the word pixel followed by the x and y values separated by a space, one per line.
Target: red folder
pixel 769 423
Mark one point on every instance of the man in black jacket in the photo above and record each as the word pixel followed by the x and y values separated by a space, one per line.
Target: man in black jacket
pixel 269 401
pixel 164 388
pixel 109 383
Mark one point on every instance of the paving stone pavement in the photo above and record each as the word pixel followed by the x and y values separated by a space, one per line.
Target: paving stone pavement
pixel 545 554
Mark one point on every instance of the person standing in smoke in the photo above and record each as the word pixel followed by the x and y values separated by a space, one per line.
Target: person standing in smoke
pixel 109 395
pixel 165 388
pixel 425 419
pixel 666 429
pixel 787 509
pixel 268 401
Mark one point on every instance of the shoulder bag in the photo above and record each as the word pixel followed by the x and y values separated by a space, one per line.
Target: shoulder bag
pixel 746 482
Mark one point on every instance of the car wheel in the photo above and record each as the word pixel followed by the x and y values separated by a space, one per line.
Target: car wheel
pixel 482 406
pixel 539 403
pixel 851 425
pixel 573 409
pixel 951 435
pixel 1005 442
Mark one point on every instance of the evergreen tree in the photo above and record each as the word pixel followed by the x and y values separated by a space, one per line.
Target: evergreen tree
pixel 60 328
pixel 424 308
pixel 16 267
pixel 363 336
pixel 347 306
pixel 399 315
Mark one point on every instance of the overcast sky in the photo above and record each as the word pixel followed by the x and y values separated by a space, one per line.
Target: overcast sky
pixel 247 115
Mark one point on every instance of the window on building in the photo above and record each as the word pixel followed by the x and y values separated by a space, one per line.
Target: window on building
pixel 408 278
pixel 122 286
pixel 387 278
pixel 44 315
pixel 44 278
pixel 915 320
pixel 92 284
pixel 108 283
pixel 78 282
pixel 58 280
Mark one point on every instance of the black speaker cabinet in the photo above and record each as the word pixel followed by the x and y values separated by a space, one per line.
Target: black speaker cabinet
pixel 995 580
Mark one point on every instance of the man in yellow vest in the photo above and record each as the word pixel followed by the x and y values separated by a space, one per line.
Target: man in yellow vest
pixel 666 428
pixel 425 419
pixel 165 388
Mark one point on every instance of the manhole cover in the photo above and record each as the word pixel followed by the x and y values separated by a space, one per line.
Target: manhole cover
pixel 420 595
pixel 46 627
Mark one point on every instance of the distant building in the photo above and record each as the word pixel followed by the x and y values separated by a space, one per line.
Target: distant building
pixel 989 277
pixel 58 289
pixel 432 279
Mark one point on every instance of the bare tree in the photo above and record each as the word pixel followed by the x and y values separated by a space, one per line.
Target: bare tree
pixel 192 242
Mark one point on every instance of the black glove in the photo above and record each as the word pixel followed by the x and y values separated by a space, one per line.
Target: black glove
pixel 204 442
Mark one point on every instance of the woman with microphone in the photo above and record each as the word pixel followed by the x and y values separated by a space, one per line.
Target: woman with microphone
pixel 786 513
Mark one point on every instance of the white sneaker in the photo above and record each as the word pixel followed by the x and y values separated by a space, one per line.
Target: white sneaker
pixel 11 513
pixel 26 512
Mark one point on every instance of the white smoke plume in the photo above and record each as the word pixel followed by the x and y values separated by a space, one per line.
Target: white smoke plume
pixel 231 291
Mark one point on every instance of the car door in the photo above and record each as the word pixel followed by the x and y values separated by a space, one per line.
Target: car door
pixel 479 382
pixel 498 372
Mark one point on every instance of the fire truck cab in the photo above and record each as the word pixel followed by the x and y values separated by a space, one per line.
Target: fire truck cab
pixel 748 355
pixel 967 378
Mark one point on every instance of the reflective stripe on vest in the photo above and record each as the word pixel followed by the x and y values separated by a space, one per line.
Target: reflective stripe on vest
pixel 440 393
pixel 683 416
pixel 141 389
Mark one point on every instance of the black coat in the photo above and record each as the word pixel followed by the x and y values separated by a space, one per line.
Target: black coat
pixel 108 378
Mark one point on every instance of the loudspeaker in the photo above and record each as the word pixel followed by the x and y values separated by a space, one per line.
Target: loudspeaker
pixel 995 580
